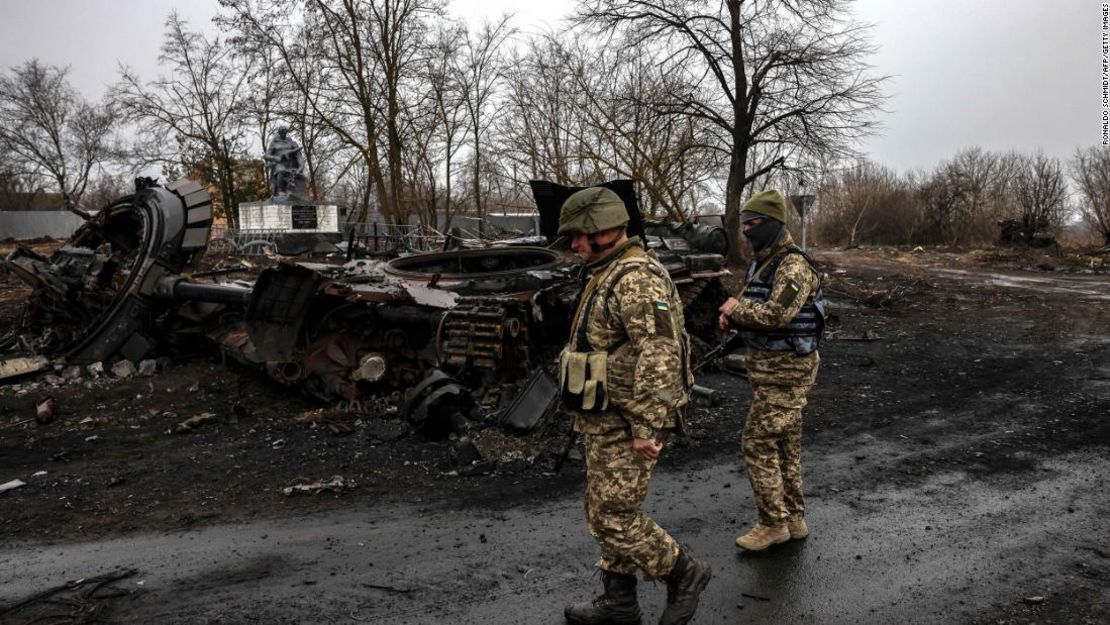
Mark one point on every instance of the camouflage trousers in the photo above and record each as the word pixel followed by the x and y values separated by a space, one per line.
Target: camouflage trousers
pixel 617 482
pixel 772 445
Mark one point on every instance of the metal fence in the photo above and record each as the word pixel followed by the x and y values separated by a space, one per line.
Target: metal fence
pixel 34 224
pixel 381 239
pixel 246 242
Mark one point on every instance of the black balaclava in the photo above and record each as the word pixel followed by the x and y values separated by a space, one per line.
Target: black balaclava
pixel 764 235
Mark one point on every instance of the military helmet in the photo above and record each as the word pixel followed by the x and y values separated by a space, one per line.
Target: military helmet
pixel 592 210
pixel 765 204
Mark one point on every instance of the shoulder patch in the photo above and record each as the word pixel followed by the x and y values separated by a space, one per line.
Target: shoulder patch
pixel 789 293
pixel 663 325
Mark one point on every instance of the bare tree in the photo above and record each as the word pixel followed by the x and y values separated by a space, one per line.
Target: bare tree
pixel 437 127
pixel 17 187
pixel 1090 170
pixel 1040 193
pixel 576 113
pixel 670 156
pixel 480 68
pixel 201 103
pixel 774 78
pixel 941 196
pixel 967 195
pixel 354 62
pixel 264 103
pixel 53 133
pixel 107 188
pixel 537 123
pixel 423 157
pixel 866 203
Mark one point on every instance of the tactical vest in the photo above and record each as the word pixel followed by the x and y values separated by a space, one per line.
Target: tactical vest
pixel 584 371
pixel 804 332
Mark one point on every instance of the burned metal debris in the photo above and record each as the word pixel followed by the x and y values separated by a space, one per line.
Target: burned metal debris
pixel 114 289
pixel 446 339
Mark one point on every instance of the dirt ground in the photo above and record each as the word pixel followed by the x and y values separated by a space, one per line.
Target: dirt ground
pixel 990 365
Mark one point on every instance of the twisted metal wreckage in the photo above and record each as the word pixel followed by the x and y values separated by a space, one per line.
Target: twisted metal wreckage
pixel 430 333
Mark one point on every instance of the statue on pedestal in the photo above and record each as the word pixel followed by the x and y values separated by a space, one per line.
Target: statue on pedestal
pixel 285 166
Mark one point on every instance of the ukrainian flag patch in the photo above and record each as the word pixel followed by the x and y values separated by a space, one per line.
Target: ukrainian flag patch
pixel 789 294
pixel 661 311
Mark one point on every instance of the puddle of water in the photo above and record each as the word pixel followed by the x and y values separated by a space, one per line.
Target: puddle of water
pixel 1071 285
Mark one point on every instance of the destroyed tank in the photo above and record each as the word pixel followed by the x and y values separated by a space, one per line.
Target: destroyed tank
pixel 432 336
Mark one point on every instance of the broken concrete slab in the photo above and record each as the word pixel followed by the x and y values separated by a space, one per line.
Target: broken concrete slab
pixel 147 368
pixel 15 367
pixel 124 369
pixel 12 485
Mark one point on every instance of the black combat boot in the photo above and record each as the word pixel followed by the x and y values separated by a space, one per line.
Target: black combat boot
pixel 684 585
pixel 616 606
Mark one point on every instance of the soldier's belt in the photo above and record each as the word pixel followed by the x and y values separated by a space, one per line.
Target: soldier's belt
pixel 583 380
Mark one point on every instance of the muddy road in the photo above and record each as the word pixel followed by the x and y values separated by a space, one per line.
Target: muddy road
pixel 956 472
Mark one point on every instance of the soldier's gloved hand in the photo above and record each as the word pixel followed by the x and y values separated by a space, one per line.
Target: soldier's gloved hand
pixel 647 448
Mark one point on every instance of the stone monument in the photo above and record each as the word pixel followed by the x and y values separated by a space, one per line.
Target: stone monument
pixel 285 167
pixel 288 209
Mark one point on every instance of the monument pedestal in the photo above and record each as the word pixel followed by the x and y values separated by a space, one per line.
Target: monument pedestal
pixel 289 215
pixel 293 225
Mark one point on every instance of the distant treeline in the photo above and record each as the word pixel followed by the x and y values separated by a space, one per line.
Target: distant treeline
pixel 965 200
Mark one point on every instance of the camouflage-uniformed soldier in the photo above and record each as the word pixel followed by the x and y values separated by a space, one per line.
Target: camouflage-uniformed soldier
pixel 780 316
pixel 624 374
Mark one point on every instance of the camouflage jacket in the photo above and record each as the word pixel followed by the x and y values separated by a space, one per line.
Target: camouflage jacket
pixel 793 284
pixel 637 318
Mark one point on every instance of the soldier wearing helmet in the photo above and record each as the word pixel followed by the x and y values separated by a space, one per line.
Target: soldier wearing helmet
pixel 780 315
pixel 624 375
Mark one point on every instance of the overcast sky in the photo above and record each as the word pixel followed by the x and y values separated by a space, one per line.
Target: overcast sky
pixel 1002 74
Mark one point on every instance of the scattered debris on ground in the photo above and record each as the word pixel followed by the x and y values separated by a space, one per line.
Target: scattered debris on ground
pixel 85 600
pixel 11 485
pixel 337 484
pixel 194 422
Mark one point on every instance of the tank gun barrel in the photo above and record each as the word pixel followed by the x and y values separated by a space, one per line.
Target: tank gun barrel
pixel 179 289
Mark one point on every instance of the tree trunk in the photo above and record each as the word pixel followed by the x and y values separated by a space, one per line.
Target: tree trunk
pixel 447 196
pixel 364 203
pixel 225 180
pixel 741 128
pixel 734 189
pixel 376 184
pixel 477 182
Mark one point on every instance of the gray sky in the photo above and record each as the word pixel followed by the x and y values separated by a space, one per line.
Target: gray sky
pixel 1002 74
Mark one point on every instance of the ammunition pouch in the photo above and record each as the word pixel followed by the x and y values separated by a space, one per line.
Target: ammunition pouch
pixel 583 380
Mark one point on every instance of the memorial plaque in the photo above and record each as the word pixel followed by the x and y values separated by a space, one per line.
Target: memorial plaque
pixel 304 217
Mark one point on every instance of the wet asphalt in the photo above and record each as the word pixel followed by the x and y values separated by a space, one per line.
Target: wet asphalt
pixel 948 550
